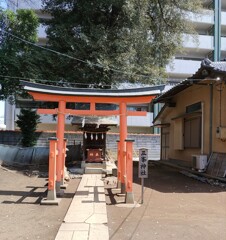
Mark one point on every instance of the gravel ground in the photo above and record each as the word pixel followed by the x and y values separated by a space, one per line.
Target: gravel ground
pixel 21 215
pixel 175 207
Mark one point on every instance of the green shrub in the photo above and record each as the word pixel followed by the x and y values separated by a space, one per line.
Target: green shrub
pixel 27 122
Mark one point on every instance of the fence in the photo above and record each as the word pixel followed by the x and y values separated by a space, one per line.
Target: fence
pixel 13 155
pixel 11 151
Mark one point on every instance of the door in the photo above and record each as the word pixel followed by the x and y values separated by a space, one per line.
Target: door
pixel 165 143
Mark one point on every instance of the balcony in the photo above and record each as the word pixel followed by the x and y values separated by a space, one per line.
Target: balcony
pixel 223 47
pixel 223 23
pixel 179 68
pixel 200 43
pixel 206 17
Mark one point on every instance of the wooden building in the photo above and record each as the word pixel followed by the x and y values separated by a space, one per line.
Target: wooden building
pixel 193 116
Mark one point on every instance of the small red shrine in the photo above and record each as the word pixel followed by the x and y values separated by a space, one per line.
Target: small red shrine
pixel 94 136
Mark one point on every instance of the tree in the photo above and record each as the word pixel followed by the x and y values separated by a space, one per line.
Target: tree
pixel 27 122
pixel 15 54
pixel 117 40
pixel 98 41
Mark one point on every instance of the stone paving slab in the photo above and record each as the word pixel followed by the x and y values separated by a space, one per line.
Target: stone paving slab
pixel 86 218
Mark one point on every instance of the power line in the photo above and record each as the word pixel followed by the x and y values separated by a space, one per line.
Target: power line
pixel 50 81
pixel 74 58
pixel 46 49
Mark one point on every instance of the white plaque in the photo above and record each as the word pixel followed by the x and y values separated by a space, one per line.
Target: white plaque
pixel 143 163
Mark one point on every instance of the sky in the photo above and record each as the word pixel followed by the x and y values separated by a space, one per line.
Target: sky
pixel 3 3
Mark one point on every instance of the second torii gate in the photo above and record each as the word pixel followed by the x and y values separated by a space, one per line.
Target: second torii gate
pixel 121 97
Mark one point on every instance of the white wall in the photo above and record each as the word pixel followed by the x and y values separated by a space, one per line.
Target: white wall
pixel 9 116
pixel 182 68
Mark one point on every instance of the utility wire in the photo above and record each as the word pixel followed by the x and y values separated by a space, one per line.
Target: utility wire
pixel 74 58
pixel 50 81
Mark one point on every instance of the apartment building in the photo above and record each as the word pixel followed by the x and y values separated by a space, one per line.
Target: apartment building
pixel 210 42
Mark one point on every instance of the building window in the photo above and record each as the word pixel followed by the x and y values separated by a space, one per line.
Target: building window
pixel 194 107
pixel 138 108
pixel 192 132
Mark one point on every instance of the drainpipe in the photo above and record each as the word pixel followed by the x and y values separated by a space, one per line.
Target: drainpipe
pixel 211 119
pixel 217 30
pixel 202 136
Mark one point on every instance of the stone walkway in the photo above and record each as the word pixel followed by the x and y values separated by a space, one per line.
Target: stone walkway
pixel 86 218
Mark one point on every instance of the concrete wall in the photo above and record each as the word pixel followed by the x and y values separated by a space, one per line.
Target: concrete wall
pixel 35 156
pixel 14 138
pixel 150 141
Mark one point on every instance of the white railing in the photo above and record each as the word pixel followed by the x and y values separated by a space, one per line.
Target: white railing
pixel 200 42
pixel 183 67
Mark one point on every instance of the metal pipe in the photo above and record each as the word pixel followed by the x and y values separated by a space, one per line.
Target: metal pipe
pixel 202 136
pixel 211 119
pixel 217 30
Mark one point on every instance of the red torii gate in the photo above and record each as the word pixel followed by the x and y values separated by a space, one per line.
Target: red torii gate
pixel 62 95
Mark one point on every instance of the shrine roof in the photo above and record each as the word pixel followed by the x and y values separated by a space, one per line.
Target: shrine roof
pixel 94 120
pixel 69 91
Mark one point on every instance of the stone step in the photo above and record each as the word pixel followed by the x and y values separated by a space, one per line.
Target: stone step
pixel 96 165
pixel 93 170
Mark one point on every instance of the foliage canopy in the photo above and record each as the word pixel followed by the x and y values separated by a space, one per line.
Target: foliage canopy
pixel 15 55
pixel 121 40
pixel 98 41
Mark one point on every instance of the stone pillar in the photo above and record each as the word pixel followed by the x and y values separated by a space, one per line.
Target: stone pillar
pixel 118 166
pixel 129 171
pixel 63 184
pixel 51 194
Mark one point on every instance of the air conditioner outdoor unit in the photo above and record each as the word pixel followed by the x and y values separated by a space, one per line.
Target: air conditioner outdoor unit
pixel 199 162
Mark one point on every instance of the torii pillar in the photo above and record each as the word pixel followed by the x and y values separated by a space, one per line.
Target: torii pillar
pixel 123 136
pixel 60 146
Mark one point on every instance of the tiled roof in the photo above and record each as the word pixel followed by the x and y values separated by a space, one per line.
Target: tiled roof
pixel 210 69
pixel 207 69
pixel 68 91
pixel 215 65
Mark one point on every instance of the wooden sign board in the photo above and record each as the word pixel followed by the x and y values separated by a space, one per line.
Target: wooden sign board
pixel 143 163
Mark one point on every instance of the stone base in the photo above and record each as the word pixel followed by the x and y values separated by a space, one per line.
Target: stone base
pixel 129 198
pixel 45 201
pixel 51 198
